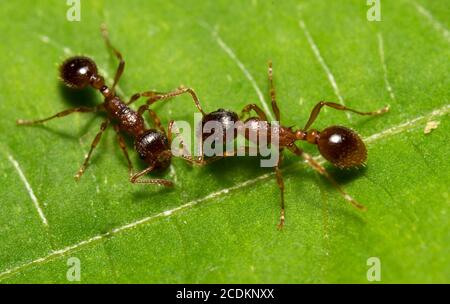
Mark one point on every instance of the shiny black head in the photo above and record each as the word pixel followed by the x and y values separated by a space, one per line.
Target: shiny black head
pixel 76 72
pixel 224 120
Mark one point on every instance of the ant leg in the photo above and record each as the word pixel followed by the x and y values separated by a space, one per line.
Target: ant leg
pixel 320 169
pixel 200 160
pixel 186 155
pixel 275 108
pixel 255 108
pixel 123 147
pixel 316 110
pixel 246 151
pixel 154 96
pixel 169 133
pixel 96 140
pixel 203 162
pixel 153 116
pixel 280 184
pixel 121 66
pixel 60 114
pixel 150 94
pixel 158 181
pixel 156 120
pixel 179 91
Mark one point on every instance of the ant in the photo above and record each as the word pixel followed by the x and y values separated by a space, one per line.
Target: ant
pixel 339 145
pixel 152 145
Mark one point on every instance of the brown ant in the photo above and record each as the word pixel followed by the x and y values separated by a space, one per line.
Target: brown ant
pixel 152 145
pixel 339 145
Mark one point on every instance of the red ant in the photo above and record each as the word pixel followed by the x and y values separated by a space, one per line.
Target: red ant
pixel 152 145
pixel 339 145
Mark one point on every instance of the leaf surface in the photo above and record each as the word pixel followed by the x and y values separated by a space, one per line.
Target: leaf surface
pixel 219 223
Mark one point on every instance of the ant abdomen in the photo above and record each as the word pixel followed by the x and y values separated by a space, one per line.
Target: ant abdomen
pixel 152 147
pixel 342 147
pixel 77 71
pixel 222 119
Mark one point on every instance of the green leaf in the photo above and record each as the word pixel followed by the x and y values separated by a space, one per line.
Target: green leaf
pixel 219 223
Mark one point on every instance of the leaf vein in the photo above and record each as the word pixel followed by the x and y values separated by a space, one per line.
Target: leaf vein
pixel 30 191
pixel 325 67
pixel 383 64
pixel 244 70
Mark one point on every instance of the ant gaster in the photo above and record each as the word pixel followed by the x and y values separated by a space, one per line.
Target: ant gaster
pixel 152 145
pixel 339 145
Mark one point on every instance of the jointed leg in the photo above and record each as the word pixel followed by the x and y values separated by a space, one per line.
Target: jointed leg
pixel 275 108
pixel 154 96
pixel 158 181
pixel 280 183
pixel 121 66
pixel 320 169
pixel 150 94
pixel 255 108
pixel 153 116
pixel 200 160
pixel 242 151
pixel 186 155
pixel 169 133
pixel 60 114
pixel 179 91
pixel 96 140
pixel 123 147
pixel 316 110
pixel 246 150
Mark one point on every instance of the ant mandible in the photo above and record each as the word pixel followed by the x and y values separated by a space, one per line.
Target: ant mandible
pixel 152 145
pixel 339 145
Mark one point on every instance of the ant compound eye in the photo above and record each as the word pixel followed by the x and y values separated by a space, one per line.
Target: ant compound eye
pixel 77 71
pixel 342 147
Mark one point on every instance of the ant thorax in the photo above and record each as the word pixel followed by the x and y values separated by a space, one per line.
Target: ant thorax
pixel 128 119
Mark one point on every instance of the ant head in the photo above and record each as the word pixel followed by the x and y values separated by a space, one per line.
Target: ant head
pixel 342 147
pixel 220 119
pixel 153 147
pixel 76 72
